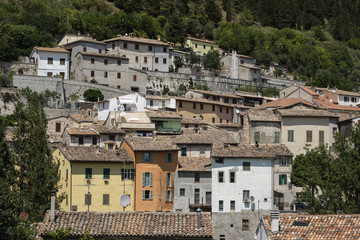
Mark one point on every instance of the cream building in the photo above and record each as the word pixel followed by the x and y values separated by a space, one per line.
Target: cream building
pixel 200 46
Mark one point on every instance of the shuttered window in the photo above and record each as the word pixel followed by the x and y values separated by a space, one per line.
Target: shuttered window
pixel 169 179
pixel 147 194
pixel 106 173
pixel 321 136
pixel 290 135
pixel 147 157
pixel 147 179
pixel 169 157
pixel 88 173
pixel 277 137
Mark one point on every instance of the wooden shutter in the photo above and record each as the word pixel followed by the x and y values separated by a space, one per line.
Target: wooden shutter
pixel 143 181
pixel 166 196
pixel 167 179
pixel 151 179
pixel 151 194
pixel 151 157
pixel 172 157
pixel 171 195
pixel 143 193
pixel 171 179
pixel 166 157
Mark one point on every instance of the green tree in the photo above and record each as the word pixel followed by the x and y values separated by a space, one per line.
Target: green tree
pixel 93 95
pixel 59 234
pixel 212 60
pixel 179 63
pixel 213 11
pixel 175 29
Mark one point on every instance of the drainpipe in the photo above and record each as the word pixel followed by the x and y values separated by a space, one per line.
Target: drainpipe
pixel 52 206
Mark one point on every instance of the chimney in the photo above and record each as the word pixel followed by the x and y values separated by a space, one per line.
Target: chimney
pixel 52 206
pixel 274 214
pixel 158 37
pixel 199 217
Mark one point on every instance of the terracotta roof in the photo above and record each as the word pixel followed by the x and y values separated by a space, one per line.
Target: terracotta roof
pixel 263 116
pixel 216 93
pixel 250 151
pixel 193 121
pixel 150 144
pixel 134 225
pixel 137 39
pixel 80 118
pixel 82 131
pixel 95 154
pixel 209 136
pixel 234 125
pixel 108 130
pixel 319 227
pixel 306 113
pixel 163 114
pixel 309 90
pixel 47 49
pixel 244 56
pixel 325 104
pixel 201 40
pixel 104 55
pixel 342 92
pixel 331 96
pixel 284 103
pixel 202 100
pixel 194 164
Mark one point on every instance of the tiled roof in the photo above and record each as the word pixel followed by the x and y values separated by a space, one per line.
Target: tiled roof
pixel 80 118
pixel 132 225
pixel 201 40
pixel 306 113
pixel 347 93
pixel 250 151
pixel 108 130
pixel 209 136
pixel 103 55
pixel 207 92
pixel 263 116
pixel 191 164
pixel 95 154
pixel 157 97
pixel 224 125
pixel 151 144
pixel 243 56
pixel 47 49
pixel 309 90
pixel 319 227
pixel 331 96
pixel 163 114
pixel 285 102
pixel 193 121
pixel 247 94
pixel 82 131
pixel 137 39
pixel 202 100
pixel 83 40
pixel 325 104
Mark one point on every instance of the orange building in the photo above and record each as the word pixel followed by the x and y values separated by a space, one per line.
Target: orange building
pixel 155 162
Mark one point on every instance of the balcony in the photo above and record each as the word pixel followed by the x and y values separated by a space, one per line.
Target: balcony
pixel 161 130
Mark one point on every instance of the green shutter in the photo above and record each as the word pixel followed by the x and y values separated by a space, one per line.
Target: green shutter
pixel 172 157
pixel 285 179
pixel 171 195
pixel 166 157
pixel 151 179
pixel 122 174
pixel 143 179
pixel 151 157
pixel 321 136
pixel 167 180
pixel 257 136
pixel 280 179
pixel 88 173
pixel 166 196
pixel 106 173
pixel 143 157
pixel 171 179
pixel 143 194
pixel 151 194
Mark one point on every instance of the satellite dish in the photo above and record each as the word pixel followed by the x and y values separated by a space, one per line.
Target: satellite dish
pixel 252 198
pixel 122 114
pixel 112 115
pixel 237 111
pixel 125 200
pixel 122 108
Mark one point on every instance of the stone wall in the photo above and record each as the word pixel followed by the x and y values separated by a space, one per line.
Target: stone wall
pixel 26 68
pixel 8 107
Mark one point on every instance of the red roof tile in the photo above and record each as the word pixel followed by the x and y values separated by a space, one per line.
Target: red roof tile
pixel 285 102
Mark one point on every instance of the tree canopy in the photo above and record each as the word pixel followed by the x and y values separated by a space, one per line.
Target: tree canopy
pixel 93 95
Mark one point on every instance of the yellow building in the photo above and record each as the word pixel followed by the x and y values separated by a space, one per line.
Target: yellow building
pixel 94 178
pixel 200 46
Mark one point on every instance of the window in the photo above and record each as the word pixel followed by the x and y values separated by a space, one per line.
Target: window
pixel 62 61
pixel 87 199
pixel 334 131
pixel 221 109
pixel 183 151
pixel 150 48
pixel 125 45
pixel 127 174
pixel 257 136
pixel 227 110
pixel 92 61
pixel 169 196
pixel 232 206
pixel 94 141
pixel 58 127
pixel 106 172
pixel 196 196
pixel 353 99
pixel 197 177
pixel 219 160
pixel 84 49
pixel 182 192
pixel 201 106
pixel 136 46
pixel 169 157
pixel 169 179
pixel 151 103
pixel 220 177
pixel 110 146
pixel 208 198
pixel 245 225
pixel 92 74
pixel 105 74
pixel 221 205
pixel 213 120
pixel 100 51
pixel 246 166
pixel 277 137
pixel 113 46
pixel 147 179
pixel 118 86
pixel 321 136
pixel 105 62
pixel 50 61
pixel 246 195
pixel 194 105
pixel 213 108
pixel 119 62
pixel 195 45
pixel 242 62
pixel 134 78
pixel 156 60
pixel 290 135
pixel 204 46
pixel 118 75
pixel 106 199
pixel 67 174
pixel 163 104
pixel 136 59
pixel 285 161
pixel 164 49
pixel 145 59
pixel 164 60
pixel 49 74
pixel 180 104
pixel 282 179
pixel 134 89
pixel 232 177
pixel 81 140
pixel 222 237
pixel 346 99
pixel 220 120
pixel 309 136
pixel 67 200
pixel 202 152
pixel 88 173
pixel 147 157
pixel 147 195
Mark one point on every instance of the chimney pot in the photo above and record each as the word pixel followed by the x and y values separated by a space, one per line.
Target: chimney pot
pixel 199 217
pixel 275 215
pixel 52 206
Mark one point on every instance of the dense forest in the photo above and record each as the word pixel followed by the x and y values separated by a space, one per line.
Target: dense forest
pixel 318 40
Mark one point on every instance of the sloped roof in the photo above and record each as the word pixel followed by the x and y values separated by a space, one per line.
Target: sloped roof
pixel 150 144
pixel 137 39
pixel 306 113
pixel 134 225
pixel 326 104
pixel 103 55
pixel 47 49
pixel 95 154
pixel 263 116
pixel 80 117
pixel 207 101
pixel 207 92
pixel 285 102
pixel 163 114
pixel 319 227
pixel 209 136
pixel 250 151
pixel 201 40
pixel 82 131
pixel 309 90
pixel 108 129
pixel 193 121
pixel 192 164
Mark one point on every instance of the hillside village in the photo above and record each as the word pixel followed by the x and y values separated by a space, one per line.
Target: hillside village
pixel 209 162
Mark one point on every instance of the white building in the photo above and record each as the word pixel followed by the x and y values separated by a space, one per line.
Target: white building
pixel 128 103
pixel 160 102
pixel 51 61
pixel 242 187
